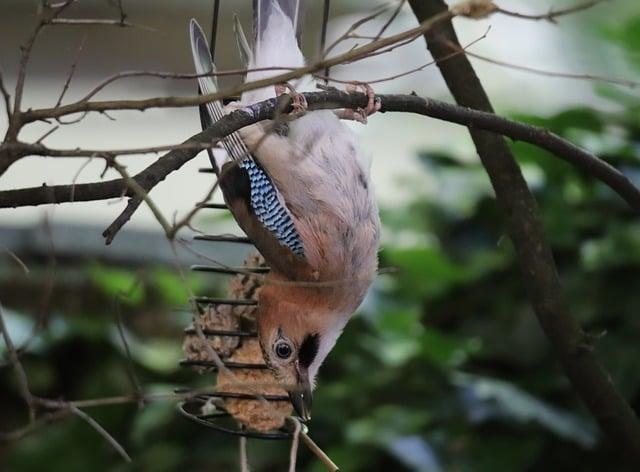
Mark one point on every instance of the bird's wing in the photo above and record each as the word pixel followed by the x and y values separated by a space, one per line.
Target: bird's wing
pixel 212 111
pixel 249 191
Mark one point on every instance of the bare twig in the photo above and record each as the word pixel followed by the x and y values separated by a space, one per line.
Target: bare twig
pixel 72 70
pixel 103 432
pixel 131 371
pixel 319 453
pixel 77 175
pixel 48 133
pixel 38 149
pixel 293 453
pixel 176 102
pixel 552 14
pixel 142 194
pixel 53 11
pixel 186 220
pixel 410 71
pixel 13 256
pixel 244 458
pixel 6 97
pixel 564 75
pixel 21 376
pixel 41 421
pixel 98 22
pixel 390 20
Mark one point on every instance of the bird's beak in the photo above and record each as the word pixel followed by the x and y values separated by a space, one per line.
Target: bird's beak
pixel 301 401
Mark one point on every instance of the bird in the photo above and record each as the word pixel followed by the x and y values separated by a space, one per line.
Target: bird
pixel 301 191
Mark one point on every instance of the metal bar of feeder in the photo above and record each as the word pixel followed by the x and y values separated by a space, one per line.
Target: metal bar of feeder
pixel 230 270
pixel 221 332
pixel 225 301
pixel 214 206
pixel 223 238
pixel 242 396
pixel 229 365
pixel 207 170
pixel 207 420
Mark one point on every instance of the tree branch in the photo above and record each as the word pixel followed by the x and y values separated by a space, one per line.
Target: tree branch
pixel 156 172
pixel 572 348
pixel 162 102
pixel 552 15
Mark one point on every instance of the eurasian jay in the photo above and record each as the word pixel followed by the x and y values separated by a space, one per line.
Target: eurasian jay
pixel 302 193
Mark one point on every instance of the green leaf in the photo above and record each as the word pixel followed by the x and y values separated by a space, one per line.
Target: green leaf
pixel 120 283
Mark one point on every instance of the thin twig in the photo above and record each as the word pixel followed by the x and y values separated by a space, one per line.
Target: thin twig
pixel 142 194
pixel 552 15
pixel 177 102
pixel 21 376
pixel 13 256
pixel 293 453
pixel 410 71
pixel 131 371
pixel 319 453
pixel 48 133
pixel 103 432
pixel 77 175
pixel 6 97
pixel 390 20
pixel 72 70
pixel 185 221
pixel 39 149
pixel 564 75
pixel 98 22
pixel 41 421
pixel 244 458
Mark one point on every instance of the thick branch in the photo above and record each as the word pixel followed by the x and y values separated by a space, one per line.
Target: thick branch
pixel 156 172
pixel 590 380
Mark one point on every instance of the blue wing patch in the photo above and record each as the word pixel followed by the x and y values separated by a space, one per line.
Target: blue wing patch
pixel 268 208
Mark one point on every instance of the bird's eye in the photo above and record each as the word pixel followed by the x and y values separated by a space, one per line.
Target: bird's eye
pixel 283 350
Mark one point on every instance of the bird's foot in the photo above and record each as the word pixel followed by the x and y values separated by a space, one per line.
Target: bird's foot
pixel 361 114
pixel 298 101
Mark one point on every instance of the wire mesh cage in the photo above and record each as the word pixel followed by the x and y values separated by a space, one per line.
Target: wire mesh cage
pixel 247 402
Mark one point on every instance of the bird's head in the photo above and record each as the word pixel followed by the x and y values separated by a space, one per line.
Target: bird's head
pixel 295 337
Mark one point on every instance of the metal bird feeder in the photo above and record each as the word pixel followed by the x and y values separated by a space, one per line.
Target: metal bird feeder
pixel 211 409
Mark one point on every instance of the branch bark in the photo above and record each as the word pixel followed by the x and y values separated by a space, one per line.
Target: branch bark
pixel 585 161
pixel 571 345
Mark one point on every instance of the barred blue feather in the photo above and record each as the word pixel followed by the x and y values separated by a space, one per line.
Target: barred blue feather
pixel 268 208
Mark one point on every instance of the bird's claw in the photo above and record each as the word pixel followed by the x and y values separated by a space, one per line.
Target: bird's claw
pixel 298 101
pixel 361 114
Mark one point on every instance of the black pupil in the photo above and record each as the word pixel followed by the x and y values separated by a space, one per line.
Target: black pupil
pixel 283 350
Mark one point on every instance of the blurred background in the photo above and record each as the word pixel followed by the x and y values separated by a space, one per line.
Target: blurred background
pixel 445 367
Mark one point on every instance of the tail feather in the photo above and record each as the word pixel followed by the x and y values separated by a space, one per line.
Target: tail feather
pixel 276 28
pixel 243 44
pixel 293 9
pixel 214 110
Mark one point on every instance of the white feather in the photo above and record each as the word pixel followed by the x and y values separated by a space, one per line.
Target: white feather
pixel 275 47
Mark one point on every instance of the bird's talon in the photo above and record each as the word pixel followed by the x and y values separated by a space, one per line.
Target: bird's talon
pixel 298 101
pixel 373 103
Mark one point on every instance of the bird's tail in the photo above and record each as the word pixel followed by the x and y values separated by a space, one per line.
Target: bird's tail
pixel 212 111
pixel 277 28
